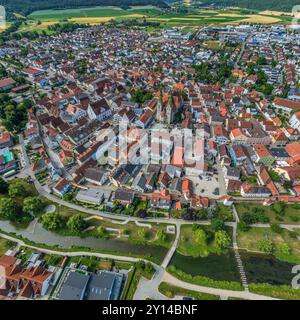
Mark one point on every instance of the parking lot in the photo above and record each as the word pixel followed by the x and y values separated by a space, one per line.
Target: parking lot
pixel 205 186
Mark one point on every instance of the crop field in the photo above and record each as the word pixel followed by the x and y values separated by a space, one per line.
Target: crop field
pixel 193 18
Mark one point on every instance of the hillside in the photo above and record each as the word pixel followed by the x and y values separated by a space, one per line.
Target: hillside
pixel 28 6
pixel 278 5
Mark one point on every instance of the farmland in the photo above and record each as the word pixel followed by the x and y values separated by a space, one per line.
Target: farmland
pixel 192 18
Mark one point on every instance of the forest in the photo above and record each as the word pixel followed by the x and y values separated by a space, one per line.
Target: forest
pixel 27 6
pixel 276 5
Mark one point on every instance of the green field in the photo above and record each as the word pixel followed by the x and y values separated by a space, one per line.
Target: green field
pixel 93 12
pixel 194 17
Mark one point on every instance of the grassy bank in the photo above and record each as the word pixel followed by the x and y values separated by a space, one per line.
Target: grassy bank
pixel 204 281
pixel 279 292
pixel 151 258
pixel 171 291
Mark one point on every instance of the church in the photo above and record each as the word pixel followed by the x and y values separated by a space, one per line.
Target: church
pixel 169 104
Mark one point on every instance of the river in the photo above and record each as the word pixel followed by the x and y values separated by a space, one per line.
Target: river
pixel 36 233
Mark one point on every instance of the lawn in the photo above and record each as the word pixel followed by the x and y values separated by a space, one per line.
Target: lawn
pixel 291 213
pixel 250 241
pixel 171 291
pixel 188 246
pixel 156 235
pixel 5 245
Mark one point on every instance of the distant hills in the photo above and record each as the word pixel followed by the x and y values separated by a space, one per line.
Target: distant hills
pixel 27 6
pixel 276 5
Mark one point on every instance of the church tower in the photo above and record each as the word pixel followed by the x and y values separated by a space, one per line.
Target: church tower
pixel 169 110
pixel 159 107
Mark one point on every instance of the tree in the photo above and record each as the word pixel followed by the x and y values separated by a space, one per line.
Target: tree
pixel 279 208
pixel 149 267
pixel 200 236
pixel 68 196
pixel 16 188
pixel 9 209
pixel 243 226
pixel 217 224
pixel 52 221
pixel 140 96
pixel 77 223
pixel 32 205
pixel 142 233
pixel 266 245
pixel 102 232
pixel 161 235
pixel 3 186
pixel 222 239
pixel 140 264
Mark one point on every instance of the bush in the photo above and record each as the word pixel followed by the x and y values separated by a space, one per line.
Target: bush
pixel 294 218
pixel 77 223
pixel 279 208
pixel 284 249
pixel 266 245
pixel 217 224
pixel 52 221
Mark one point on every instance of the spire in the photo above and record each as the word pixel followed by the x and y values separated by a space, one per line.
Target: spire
pixel 161 96
pixel 170 102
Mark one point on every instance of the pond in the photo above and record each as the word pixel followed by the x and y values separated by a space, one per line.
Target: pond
pixel 36 233
pixel 217 267
pixel 262 268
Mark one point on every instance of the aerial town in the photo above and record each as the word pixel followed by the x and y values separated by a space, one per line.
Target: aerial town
pixel 172 128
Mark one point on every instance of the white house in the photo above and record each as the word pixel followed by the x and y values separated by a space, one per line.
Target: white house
pixel 295 120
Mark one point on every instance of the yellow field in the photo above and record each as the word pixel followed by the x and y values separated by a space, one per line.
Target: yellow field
pixel 103 19
pixel 275 13
pixel 230 15
pixel 261 19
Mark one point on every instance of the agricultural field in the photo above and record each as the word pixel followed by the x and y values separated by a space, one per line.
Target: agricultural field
pixel 39 20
